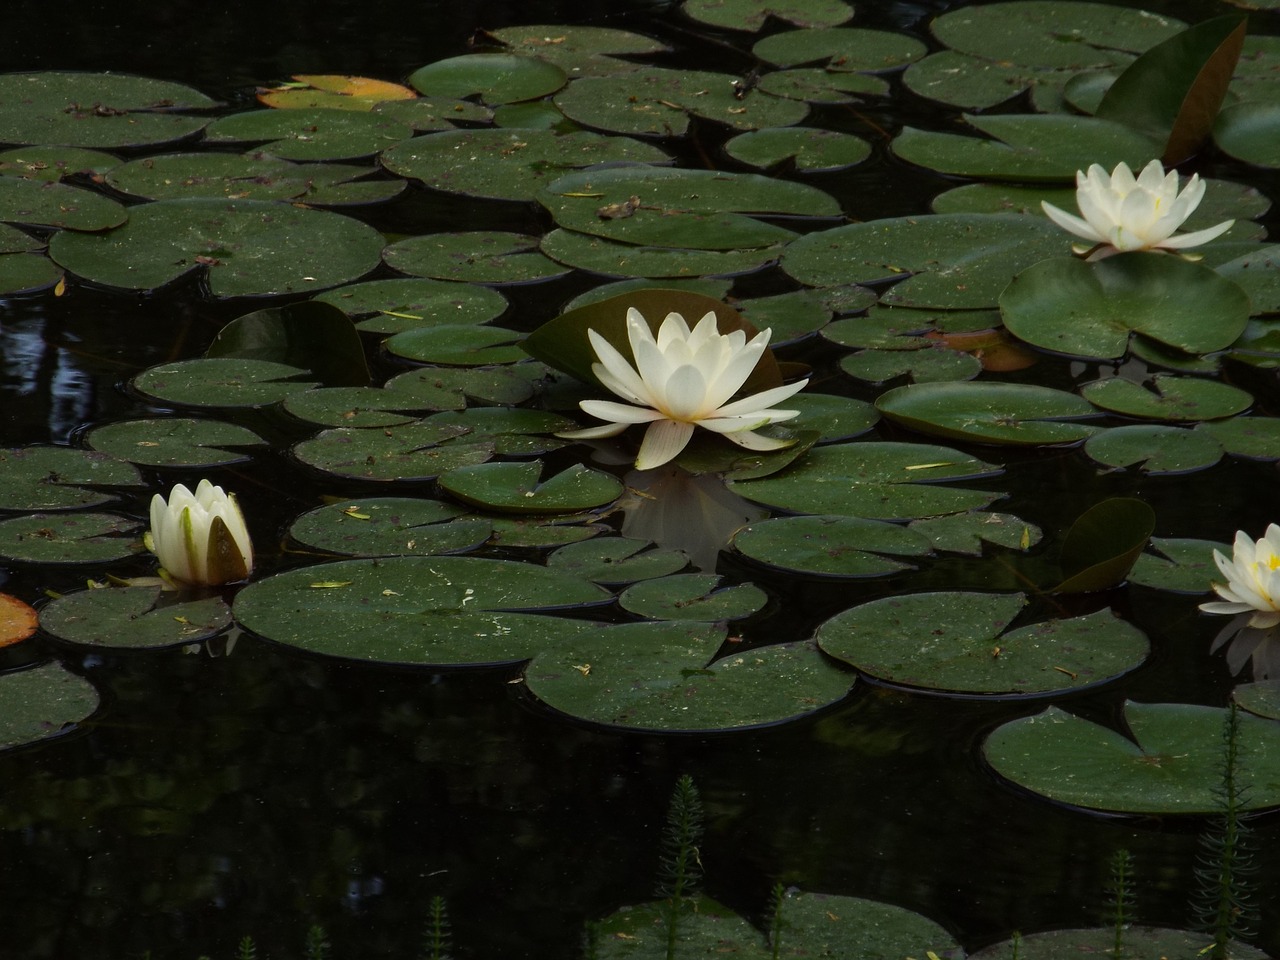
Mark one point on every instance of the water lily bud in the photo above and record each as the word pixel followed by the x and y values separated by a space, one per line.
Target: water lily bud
pixel 201 538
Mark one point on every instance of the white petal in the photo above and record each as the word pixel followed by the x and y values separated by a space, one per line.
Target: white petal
pixel 662 443
pixel 1183 240
pixel 761 400
pixel 594 433
pixel 619 412
pixel 756 441
pixel 1071 223
pixel 615 373
pixel 686 394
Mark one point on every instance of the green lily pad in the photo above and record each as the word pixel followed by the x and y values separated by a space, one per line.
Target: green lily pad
pixel 427 114
pixel 610 258
pixel 69 538
pixel 798 313
pixel 840 49
pixel 1158 450
pixel 60 478
pixel 96 109
pixel 1258 274
pixel 458 345
pixel 222 382
pixel 752 14
pixel 54 163
pixel 13 240
pixel 174 442
pixel 1103 544
pixel 41 702
pixel 389 306
pixel 577 49
pixel 27 273
pixel 989 412
pixel 1254 438
pixel 516 487
pixel 52 204
pixel 692 596
pixel 312 336
pixel 390 527
pixel 1139 941
pixel 134 618
pixel 317 134
pixel 356 407
pixel 809 149
pixel 1026 147
pixel 450 388
pixel 967 532
pixel 493 77
pixel 813 85
pixel 1088 310
pixel 933 364
pixel 420 450
pixel 952 262
pixel 1002 198
pixel 820 924
pixel 243 248
pixel 956 641
pixel 1173 398
pixel 617 560
pixel 543 533
pixel 1172 765
pixel 1179 565
pixel 667 207
pixel 660 101
pixel 1250 132
pixel 705 287
pixel 655 676
pixel 508 164
pixel 478 257
pixel 835 418
pixel 418 610
pixel 879 481
pixel 1261 698
pixel 830 546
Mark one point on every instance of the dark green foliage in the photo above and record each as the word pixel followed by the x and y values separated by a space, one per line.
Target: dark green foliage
pixel 1120 889
pixel 681 866
pixel 1223 904
pixel 247 950
pixel 776 923
pixel 436 943
pixel 318 947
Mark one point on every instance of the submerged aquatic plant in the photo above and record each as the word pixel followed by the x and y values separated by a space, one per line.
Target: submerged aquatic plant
pixel 201 537
pixel 1253 585
pixel 681 866
pixel 1120 889
pixel 683 379
pixel 1122 212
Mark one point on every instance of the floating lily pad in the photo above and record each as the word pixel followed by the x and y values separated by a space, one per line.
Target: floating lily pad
pixel 174 442
pixel 508 164
pixel 1002 198
pixel 813 85
pixel 489 256
pixel 358 407
pixel 517 487
pixel 54 163
pixel 27 273
pixel 617 560
pixel 1139 941
pixel 69 538
pixel 450 388
pixel 1179 565
pixel 957 642
pixel 1250 132
pixel 809 149
pixel 419 450
pixel 989 412
pixel 419 610
pixel 967 532
pixel 1027 147
pixel 933 364
pixel 222 382
pixel 1172 764
pixel 60 478
pixel 831 546
pixel 1258 274
pixel 1255 438
pixel 835 418
pixel 576 48
pixel 692 596
pixel 243 247
pixel 389 306
pixel 1157 449
pixel 458 345
pixel 752 14
pixel 494 77
pixel 952 262
pixel 879 481
pixel 133 618
pixel 795 314
pixel 824 925
pixel 315 134
pixel 1180 399
pixel 340 91
pixel 655 676
pixel 52 204
pixel 1261 698
pixel 543 533
pixel 1084 309
pixel 312 336
pixel 390 527
pixel 713 288
pixel 609 258
pixel 96 109
pixel 42 702
pixel 426 114
pixel 840 49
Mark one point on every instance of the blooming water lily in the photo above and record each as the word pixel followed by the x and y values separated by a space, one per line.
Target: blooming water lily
pixel 681 380
pixel 201 537
pixel 1253 585
pixel 1135 214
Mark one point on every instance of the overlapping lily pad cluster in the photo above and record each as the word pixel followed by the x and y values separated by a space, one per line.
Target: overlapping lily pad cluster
pixel 934 325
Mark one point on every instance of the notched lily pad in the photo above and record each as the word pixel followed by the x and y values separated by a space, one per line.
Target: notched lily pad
pixel 222 382
pixel 134 618
pixel 493 77
pixel 52 204
pixel 175 442
pixel 315 134
pixel 482 256
pixel 840 49
pixel 808 149
pixel 752 14
pixel 831 546
pixel 41 702
pixel 1157 449
pixel 389 306
pixel 69 538
pixel 517 487
pixel 692 596
pixel 1178 565
pixel 61 478
pixel 1173 398
pixel 390 527
pixel 989 412
pixel 618 560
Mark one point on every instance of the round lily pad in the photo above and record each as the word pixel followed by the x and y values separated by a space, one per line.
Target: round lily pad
pixel 813 85
pixel 389 306
pixel 879 481
pixel 243 247
pixel 576 48
pixel 1250 132
pixel 508 164
pixel 1261 698
pixel 222 382
pixel 52 204
pixel 1174 398
pixel 489 256
pixel 41 702
pixel 809 149
pixel 517 487
pixel 1171 764
pixel 419 450
pixel 69 538
pixel 655 676
pixel 1256 438
pixel 617 560
pixel 419 610
pixel 543 533
pixel 1088 310
pixel 458 345
pixel 835 418
pixel 27 273
pixel 831 546
pixel 692 596
pixel 358 407
pixel 54 163
pixel 101 110
pixel 840 49
pixel 450 388
pixel 315 134
pixel 934 364
pixel 967 532
pixel 1178 564
pixel 752 14
pixel 390 527
pixel 174 442
pixel 611 258
pixel 955 641
pixel 134 617
pixel 1139 941
pixel 989 412
pixel 60 478
pixel 825 925
pixel 1156 448
pixel 494 77
pixel 252 176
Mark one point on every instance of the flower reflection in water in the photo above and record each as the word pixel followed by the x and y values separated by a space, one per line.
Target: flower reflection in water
pixel 1244 644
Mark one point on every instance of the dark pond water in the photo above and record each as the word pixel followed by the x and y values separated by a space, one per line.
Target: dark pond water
pixel 263 791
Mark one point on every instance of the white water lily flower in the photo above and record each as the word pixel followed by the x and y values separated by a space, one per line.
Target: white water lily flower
pixel 1128 214
pixel 1253 585
pixel 682 380
pixel 201 538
